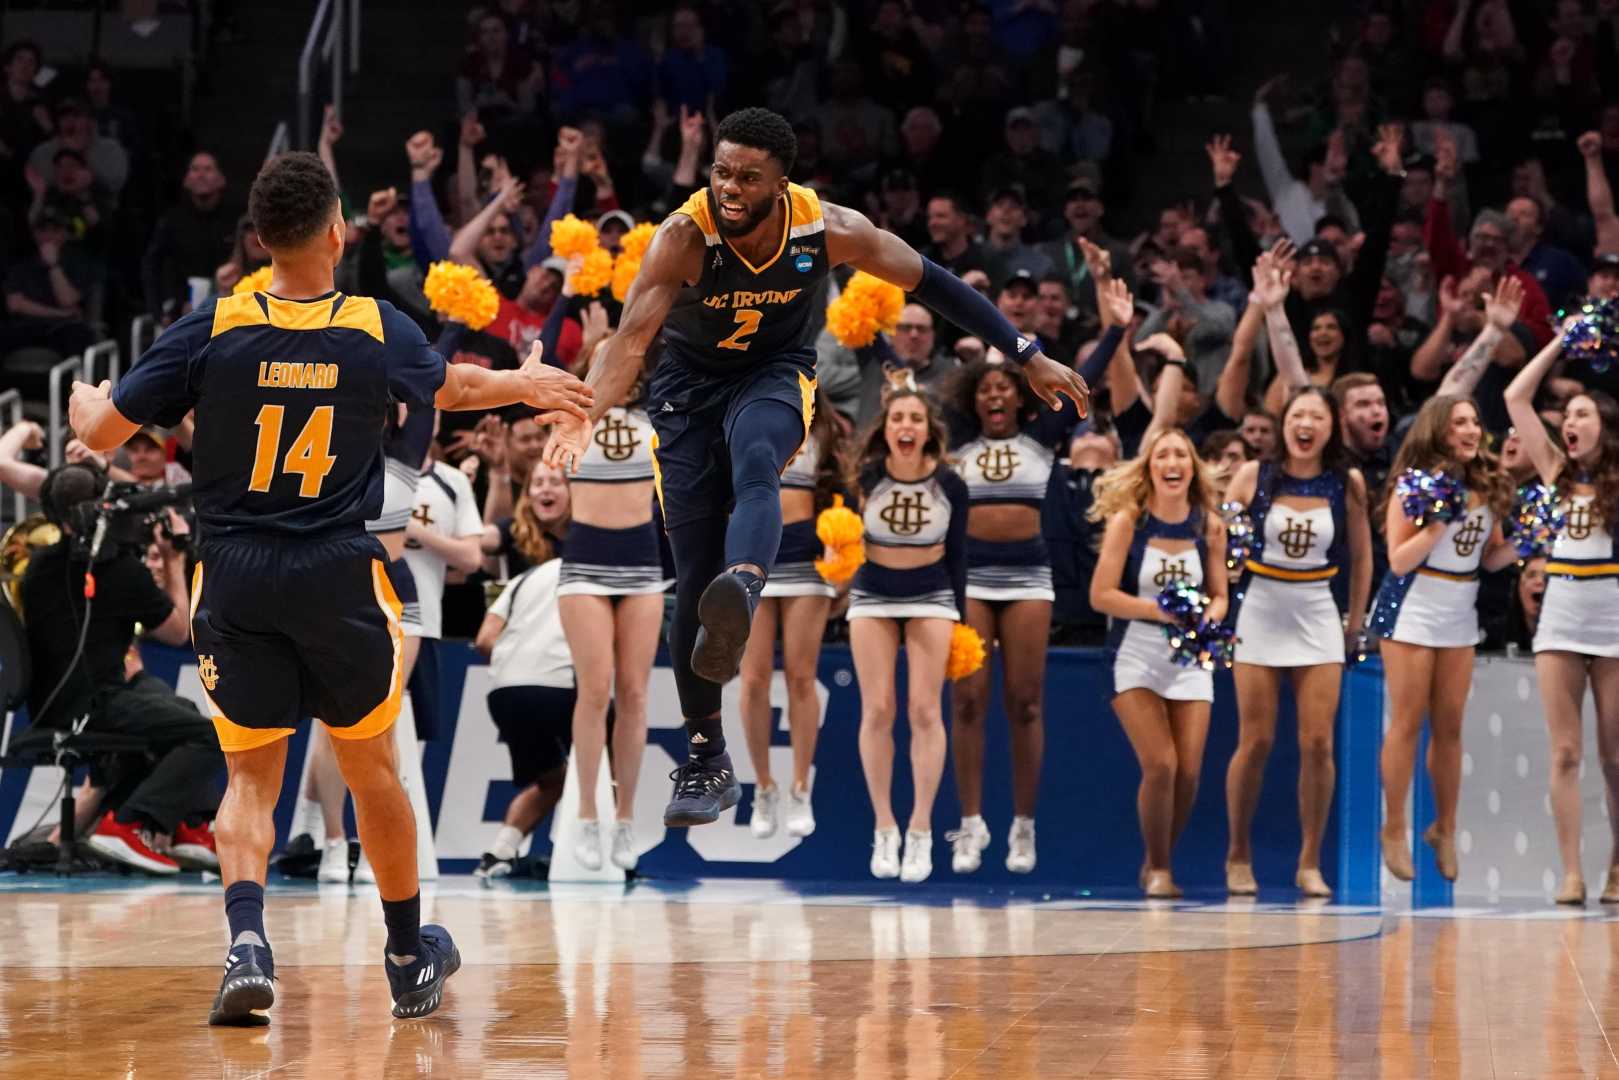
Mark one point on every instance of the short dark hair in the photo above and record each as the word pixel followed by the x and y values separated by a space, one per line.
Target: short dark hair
pixel 24 45
pixel 762 130
pixel 292 200
pixel 1331 221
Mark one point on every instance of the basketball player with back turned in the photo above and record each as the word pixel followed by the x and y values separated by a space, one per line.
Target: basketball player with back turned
pixel 735 279
pixel 291 611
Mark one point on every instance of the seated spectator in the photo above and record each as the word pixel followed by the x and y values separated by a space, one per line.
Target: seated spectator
pixel 1561 275
pixel 192 239
pixel 691 73
pixel 900 208
pixel 923 153
pixel 76 130
pixel 73 195
pixel 891 50
pixel 1007 219
pixel 25 122
pixel 1438 105
pixel 1024 164
pixel 1070 126
pixel 781 75
pixel 856 132
pixel 497 78
pixel 149 464
pixel 112 120
pixel 46 292
pixel 950 229
pixel 602 71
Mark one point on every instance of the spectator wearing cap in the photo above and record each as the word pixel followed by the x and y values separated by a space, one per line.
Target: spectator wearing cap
pixel 76 130
pixel 611 227
pixel 192 238
pixel 1024 164
pixel 856 132
pixel 46 293
pixel 1186 312
pixel 1070 125
pixel 1016 299
pixel 1082 209
pixel 1005 220
pixel 149 462
pixel 1490 244
pixel 900 209
pixel 691 72
pixel 950 229
pixel 1561 275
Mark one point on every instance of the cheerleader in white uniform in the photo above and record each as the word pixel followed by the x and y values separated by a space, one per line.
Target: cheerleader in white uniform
pixel 1426 617
pixel 1008 469
pixel 1310 524
pixel 1161 528
pixel 797 600
pixel 611 602
pixel 1577 637
pixel 914 582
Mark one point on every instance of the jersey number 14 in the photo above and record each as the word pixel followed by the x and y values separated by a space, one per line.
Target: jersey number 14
pixel 309 455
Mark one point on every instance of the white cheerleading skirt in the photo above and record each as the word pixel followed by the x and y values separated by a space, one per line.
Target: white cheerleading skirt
pixel 1579 615
pixel 1286 624
pixel 1141 662
pixel 794 573
pixel 1435 612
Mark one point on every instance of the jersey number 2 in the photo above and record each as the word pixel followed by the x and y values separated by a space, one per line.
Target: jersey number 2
pixel 309 455
pixel 747 321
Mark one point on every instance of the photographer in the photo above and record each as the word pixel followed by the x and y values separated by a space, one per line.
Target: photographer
pixel 71 680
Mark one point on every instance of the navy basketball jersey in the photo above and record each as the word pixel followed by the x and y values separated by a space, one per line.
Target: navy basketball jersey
pixel 291 400
pixel 738 314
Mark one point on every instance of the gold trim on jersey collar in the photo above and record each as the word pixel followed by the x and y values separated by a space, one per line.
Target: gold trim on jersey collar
pixel 786 231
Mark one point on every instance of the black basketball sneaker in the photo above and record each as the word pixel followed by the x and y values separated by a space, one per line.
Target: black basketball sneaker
pixel 418 983
pixel 248 990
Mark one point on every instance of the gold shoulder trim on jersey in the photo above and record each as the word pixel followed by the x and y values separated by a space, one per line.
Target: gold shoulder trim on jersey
pixel 696 208
pixel 806 205
pixel 359 313
pixel 240 310
pixel 299 314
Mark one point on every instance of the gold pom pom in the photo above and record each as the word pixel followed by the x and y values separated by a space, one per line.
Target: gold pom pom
pixel 257 281
pixel 866 306
pixel 594 274
pixel 625 267
pixel 571 237
pixel 837 526
pixel 460 293
pixel 966 652
pixel 637 240
pixel 842 564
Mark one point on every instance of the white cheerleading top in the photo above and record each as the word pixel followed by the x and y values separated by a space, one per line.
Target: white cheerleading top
pixel 1461 547
pixel 1584 536
pixel 1011 470
pixel 800 471
pixel 900 514
pixel 620 449
pixel 1298 539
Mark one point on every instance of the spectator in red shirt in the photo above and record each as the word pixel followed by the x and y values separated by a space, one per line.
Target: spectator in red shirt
pixel 1489 244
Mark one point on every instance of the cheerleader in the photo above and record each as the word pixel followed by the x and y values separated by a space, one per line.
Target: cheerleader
pixel 1577 637
pixel 1426 616
pixel 797 600
pixel 611 601
pixel 914 583
pixel 1310 523
pixel 1007 469
pixel 1162 528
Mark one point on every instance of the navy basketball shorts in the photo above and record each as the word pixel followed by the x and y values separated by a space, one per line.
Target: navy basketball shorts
pixel 692 416
pixel 536 724
pixel 291 626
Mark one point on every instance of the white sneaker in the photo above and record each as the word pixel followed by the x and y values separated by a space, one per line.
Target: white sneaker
pixel 800 815
pixel 623 854
pixel 766 809
pixel 967 844
pixel 363 874
pixel 334 863
pixel 587 847
pixel 1020 859
pixel 885 853
pixel 918 865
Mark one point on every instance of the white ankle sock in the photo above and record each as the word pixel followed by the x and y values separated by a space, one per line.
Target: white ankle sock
pixel 506 841
pixel 968 823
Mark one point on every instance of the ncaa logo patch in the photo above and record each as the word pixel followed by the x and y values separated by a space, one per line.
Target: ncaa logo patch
pixel 802 263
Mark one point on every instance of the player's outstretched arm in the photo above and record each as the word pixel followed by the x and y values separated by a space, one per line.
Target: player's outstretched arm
pixel 96 420
pixel 851 238
pixel 556 393
pixel 673 258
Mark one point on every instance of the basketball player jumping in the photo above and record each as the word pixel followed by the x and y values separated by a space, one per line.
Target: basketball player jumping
pixel 291 611
pixel 735 279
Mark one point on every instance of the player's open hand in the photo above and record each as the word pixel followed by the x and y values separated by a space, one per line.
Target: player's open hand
pixel 1052 382
pixel 553 390
pixel 570 437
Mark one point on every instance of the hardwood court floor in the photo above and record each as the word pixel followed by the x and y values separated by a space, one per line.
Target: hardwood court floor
pixel 743 980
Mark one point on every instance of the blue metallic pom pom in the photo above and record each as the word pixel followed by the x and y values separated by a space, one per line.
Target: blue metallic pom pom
pixel 1594 334
pixel 1426 496
pixel 1239 534
pixel 1193 640
pixel 1536 522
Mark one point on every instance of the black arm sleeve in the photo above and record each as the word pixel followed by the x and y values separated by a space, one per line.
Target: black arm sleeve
pixel 1377 219
pixel 373 270
pixel 551 333
pixel 955 541
pixel 1095 365
pixel 1234 220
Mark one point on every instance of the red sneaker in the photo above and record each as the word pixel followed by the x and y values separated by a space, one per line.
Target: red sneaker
pixel 125 843
pixel 193 847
